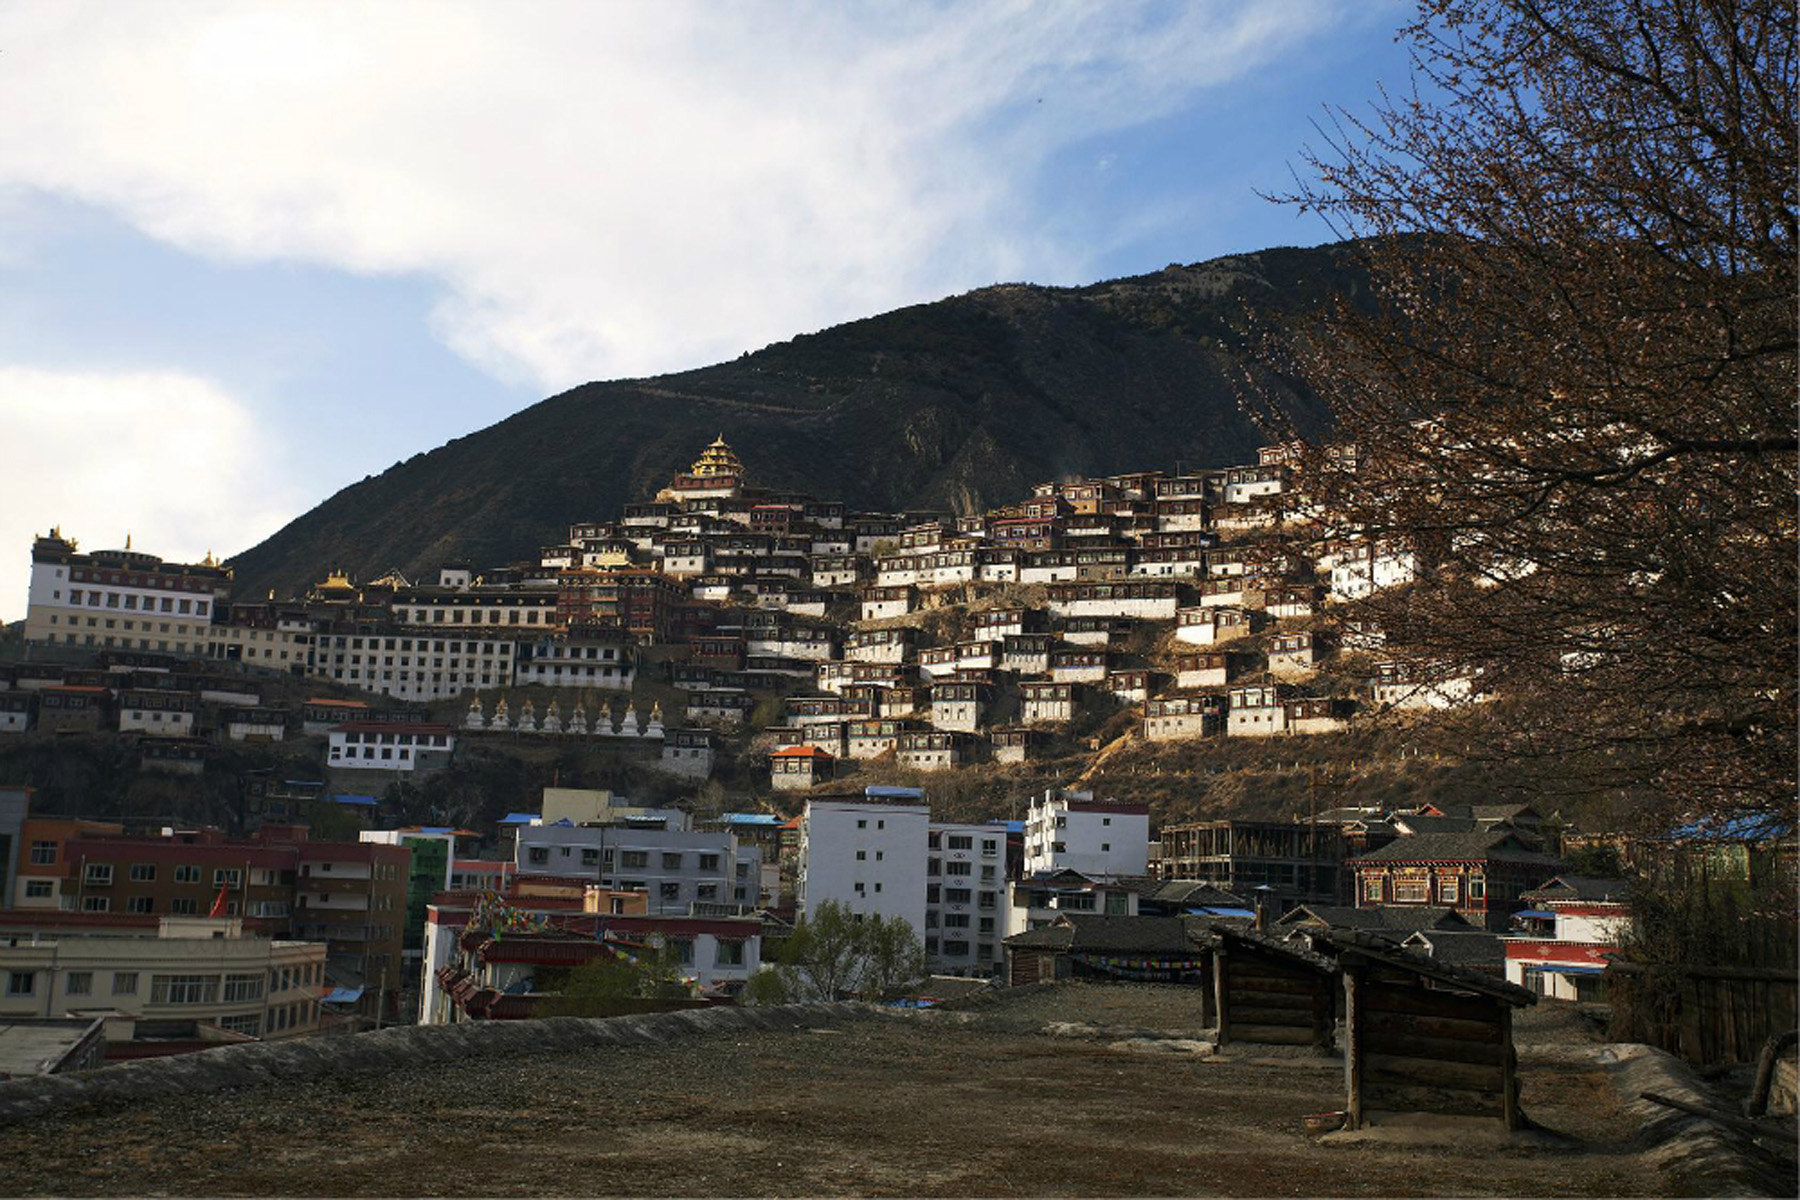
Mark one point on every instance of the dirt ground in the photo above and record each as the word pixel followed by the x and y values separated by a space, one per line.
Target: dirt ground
pixel 983 1102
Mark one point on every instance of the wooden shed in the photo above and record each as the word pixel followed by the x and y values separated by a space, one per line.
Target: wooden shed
pixel 1270 991
pixel 1425 1036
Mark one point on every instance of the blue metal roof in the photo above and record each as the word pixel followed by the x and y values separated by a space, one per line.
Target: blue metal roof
pixel 347 798
pixel 1751 827
pixel 517 819
pixel 751 819
pixel 1213 911
pixel 1566 968
pixel 1535 912
pixel 1010 826
pixel 894 793
pixel 342 996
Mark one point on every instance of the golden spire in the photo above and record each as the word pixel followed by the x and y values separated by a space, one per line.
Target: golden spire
pixel 716 461
pixel 128 539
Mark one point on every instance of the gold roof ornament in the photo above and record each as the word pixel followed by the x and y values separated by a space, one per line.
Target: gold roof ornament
pixel 716 461
pixel 128 540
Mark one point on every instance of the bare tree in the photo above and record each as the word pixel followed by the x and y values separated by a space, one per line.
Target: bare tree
pixel 1574 396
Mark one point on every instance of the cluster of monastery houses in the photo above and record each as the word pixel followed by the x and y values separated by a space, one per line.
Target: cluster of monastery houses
pixel 826 607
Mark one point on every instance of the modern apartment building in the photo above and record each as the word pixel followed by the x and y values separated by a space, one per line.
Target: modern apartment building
pixel 965 898
pixel 868 852
pixel 1071 831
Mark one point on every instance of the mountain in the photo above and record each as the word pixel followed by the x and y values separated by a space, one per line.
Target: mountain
pixel 959 405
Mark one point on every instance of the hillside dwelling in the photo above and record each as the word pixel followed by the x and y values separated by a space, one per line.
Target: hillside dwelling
pixel 833 544
pixel 1286 602
pixel 959 706
pixel 1359 569
pixel 1416 687
pixel 1179 718
pixel 588 658
pixel 72 708
pixel 937 662
pixel 320 716
pixel 1086 496
pixel 15 712
pixel 1026 653
pixel 1200 486
pixel 826 710
pixel 1043 702
pixel 1026 533
pixel 1558 946
pixel 1293 655
pixel 1361 634
pixel 869 530
pixel 1221 593
pixel 1148 600
pixel 813 643
pixel 178 756
pixel 1129 686
pixel 835 571
pixel 1078 666
pixel 825 514
pixel 1041 897
pixel 1171 562
pixel 1465 1067
pixel 1257 710
pixel 978 656
pixel 1262 513
pixel 899 570
pixel 947 568
pixel 389 746
pixel 1017 743
pixel 880 645
pixel 1482 874
pixel 1091 529
pixel 255 725
pixel 1190 515
pixel 872 739
pixel 930 535
pixel 796 768
pixel 835 677
pixel 1246 484
pixel 1195 672
pixel 715 589
pixel 823 735
pixel 1097 631
pixel 880 603
pixel 904 700
pixel 720 706
pixel 686 559
pixel 1102 562
pixel 1208 626
pixel 937 750
pixel 158 713
pixel 996 624
pixel 687 753
pixel 996 565
pixel 1317 714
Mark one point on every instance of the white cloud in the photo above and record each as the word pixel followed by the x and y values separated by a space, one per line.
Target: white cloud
pixel 606 189
pixel 166 457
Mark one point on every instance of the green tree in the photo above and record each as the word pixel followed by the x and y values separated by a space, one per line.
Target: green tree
pixel 893 957
pixel 605 986
pixel 834 952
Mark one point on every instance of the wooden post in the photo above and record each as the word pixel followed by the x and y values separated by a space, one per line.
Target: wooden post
pixel 1220 1009
pixel 1324 1012
pixel 1509 1071
pixel 1352 1051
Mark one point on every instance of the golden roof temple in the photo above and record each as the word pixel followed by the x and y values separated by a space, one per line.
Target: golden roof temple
pixel 717 461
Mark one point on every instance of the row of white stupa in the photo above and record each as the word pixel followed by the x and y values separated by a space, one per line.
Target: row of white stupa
pixel 604 725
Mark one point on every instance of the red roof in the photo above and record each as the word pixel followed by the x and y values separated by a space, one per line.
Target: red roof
pixel 388 727
pixel 336 704
pixel 800 752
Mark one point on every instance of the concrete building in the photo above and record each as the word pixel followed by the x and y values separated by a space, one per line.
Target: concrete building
pixel 867 852
pixel 965 895
pixel 675 868
pixel 389 746
pixel 121 598
pixel 195 969
pixel 1071 831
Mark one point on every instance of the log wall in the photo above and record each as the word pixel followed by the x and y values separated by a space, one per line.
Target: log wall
pixel 1265 998
pixel 1417 1049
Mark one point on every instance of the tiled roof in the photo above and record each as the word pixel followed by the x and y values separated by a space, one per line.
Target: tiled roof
pixel 1580 887
pixel 1469 948
pixel 1476 845
pixel 1395 918
pixel 1082 934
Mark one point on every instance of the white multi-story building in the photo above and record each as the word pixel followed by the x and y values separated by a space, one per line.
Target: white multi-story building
pixel 866 852
pixel 121 598
pixel 410 667
pixel 1071 831
pixel 965 898
pixel 675 868
pixel 577 661
pixel 389 746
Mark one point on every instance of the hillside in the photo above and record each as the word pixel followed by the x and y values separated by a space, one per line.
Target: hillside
pixel 960 405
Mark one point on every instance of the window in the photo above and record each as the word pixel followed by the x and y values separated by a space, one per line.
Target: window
pixel 671 862
pixel 671 891
pixel 239 988
pixel 731 953
pixel 143 872
pixel 20 983
pixel 1410 891
pixel 226 876
pixel 1372 889
pixel 39 889
pixel 683 949
pixel 96 903
pixel 1105 847
pixel 961 842
pixel 989 848
pixel 861 824
pixel 43 854
pixel 184 907
pixel 537 856
pixel 1449 890
pixel 79 983
pixel 124 983
pixel 187 874
pixel 634 859
pixel 959 868
pixel 861 855
pixel 98 873
pixel 251 1025
pixel 140 904
pixel 1477 887
pixel 709 862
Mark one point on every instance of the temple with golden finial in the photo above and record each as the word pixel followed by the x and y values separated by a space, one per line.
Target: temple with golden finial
pixel 716 474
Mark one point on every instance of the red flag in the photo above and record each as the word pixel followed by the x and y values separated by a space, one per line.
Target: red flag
pixel 218 908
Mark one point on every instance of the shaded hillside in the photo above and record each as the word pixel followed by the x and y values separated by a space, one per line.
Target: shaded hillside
pixel 959 405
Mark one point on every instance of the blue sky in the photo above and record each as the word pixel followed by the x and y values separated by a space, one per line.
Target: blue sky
pixel 253 253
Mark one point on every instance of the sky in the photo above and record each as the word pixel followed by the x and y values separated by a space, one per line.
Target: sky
pixel 251 253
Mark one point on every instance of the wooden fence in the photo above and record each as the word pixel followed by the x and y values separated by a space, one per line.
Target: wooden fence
pixel 1706 1015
